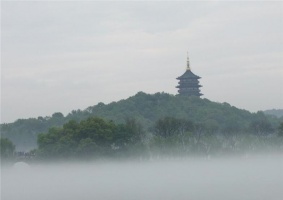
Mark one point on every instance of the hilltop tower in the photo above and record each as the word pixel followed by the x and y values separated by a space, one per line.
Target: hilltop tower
pixel 189 83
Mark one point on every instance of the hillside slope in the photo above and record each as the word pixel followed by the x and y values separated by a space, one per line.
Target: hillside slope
pixel 274 112
pixel 146 109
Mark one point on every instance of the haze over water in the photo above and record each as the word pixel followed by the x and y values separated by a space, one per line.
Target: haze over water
pixel 250 178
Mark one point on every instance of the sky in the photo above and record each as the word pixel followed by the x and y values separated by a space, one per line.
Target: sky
pixel 67 55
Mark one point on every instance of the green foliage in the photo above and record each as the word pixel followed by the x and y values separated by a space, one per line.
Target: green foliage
pixel 280 130
pixel 7 148
pixel 98 138
pixel 23 132
pixel 174 136
pixel 89 138
pixel 261 125
pixel 146 109
pixel 275 112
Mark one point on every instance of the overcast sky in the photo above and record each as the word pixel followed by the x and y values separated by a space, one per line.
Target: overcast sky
pixel 61 56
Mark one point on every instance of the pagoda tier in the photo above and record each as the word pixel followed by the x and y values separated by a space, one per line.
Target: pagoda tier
pixel 186 84
pixel 189 83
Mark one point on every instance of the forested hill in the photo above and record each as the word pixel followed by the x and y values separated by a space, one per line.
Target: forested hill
pixel 147 109
pixel 274 112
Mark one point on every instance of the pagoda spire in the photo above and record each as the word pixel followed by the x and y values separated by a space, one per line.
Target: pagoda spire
pixel 189 82
pixel 188 62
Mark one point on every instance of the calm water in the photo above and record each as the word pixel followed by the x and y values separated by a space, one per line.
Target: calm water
pixel 250 178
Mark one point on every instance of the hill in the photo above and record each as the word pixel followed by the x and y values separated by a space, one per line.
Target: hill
pixel 147 109
pixel 275 112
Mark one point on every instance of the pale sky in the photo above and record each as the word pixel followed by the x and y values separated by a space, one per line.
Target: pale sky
pixel 62 56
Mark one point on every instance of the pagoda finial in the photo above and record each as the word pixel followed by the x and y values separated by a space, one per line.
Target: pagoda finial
pixel 188 61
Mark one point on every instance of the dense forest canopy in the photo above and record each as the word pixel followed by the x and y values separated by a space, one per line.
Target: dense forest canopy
pixel 95 138
pixel 275 112
pixel 7 148
pixel 89 138
pixel 147 109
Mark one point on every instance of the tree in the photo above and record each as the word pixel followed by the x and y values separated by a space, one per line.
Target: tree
pixel 171 136
pixel 211 126
pixel 87 148
pixel 7 148
pixel 167 127
pixel 199 131
pixel 261 127
pixel 147 109
pixel 57 115
pixel 280 130
pixel 90 138
pixel 135 129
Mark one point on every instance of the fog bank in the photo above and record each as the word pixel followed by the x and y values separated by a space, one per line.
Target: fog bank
pixel 251 178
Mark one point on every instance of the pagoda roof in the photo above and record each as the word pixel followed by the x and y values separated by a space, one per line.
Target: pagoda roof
pixel 188 74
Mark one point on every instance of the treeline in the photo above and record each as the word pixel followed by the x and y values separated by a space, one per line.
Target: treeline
pixel 147 110
pixel 96 138
pixel 90 138
pixel 7 149
pixel 275 112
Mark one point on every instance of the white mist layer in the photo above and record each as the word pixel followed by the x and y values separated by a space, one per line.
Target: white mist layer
pixel 256 178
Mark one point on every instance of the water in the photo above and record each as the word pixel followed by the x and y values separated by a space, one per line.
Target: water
pixel 250 178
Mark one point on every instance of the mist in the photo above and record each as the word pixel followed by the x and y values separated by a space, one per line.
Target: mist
pixel 56 52
pixel 243 177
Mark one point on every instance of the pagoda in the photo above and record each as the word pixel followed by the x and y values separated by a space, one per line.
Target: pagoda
pixel 189 83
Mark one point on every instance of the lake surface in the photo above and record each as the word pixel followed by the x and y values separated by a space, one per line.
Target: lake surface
pixel 241 178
